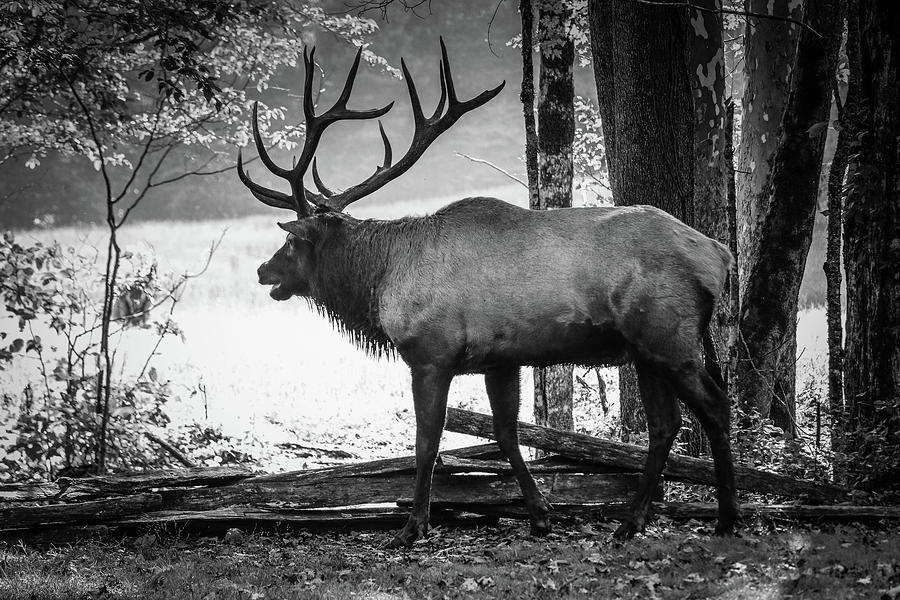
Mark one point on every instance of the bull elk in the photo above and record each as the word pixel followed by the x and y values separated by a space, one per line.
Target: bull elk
pixel 482 286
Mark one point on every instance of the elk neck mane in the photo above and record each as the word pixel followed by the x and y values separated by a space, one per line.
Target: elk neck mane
pixel 353 262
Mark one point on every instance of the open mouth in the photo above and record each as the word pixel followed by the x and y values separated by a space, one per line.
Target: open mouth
pixel 278 292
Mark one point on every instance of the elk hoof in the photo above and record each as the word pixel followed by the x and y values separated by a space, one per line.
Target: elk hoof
pixel 541 527
pixel 398 542
pixel 626 530
pixel 724 530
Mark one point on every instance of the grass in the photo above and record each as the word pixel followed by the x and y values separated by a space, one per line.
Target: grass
pixel 670 561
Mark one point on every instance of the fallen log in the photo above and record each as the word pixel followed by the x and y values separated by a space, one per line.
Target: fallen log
pixel 28 492
pixel 91 511
pixel 110 485
pixel 70 489
pixel 558 487
pixel 248 518
pixel 630 456
pixel 386 466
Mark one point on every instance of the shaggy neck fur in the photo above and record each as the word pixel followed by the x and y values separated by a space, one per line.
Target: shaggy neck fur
pixel 354 261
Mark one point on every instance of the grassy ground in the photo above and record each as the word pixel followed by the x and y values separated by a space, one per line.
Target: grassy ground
pixel 677 561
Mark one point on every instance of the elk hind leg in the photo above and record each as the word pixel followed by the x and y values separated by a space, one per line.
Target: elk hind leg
pixel 503 392
pixel 430 386
pixel 663 423
pixel 700 392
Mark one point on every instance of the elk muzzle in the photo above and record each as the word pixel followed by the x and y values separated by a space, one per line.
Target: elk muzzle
pixel 268 277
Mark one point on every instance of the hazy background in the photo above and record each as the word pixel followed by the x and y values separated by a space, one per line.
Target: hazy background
pixel 269 374
pixel 67 190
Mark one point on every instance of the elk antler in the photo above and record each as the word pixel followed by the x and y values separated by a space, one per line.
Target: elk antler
pixel 427 129
pixel 298 200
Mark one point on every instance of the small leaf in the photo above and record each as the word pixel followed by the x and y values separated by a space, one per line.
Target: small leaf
pixel 17 345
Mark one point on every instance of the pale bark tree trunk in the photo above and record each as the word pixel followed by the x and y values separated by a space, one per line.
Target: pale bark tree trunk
pixel 769 50
pixel 555 134
pixel 707 72
pixel 640 57
pixel 872 252
pixel 776 261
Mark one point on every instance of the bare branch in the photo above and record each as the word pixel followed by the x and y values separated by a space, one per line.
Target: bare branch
pixel 493 166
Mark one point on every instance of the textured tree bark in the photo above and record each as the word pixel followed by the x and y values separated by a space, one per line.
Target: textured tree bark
pixel 733 292
pixel 640 58
pixel 832 266
pixel 775 263
pixel 526 11
pixel 769 51
pixel 555 134
pixel 872 253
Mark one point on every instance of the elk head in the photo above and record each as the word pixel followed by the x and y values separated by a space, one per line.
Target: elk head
pixel 291 269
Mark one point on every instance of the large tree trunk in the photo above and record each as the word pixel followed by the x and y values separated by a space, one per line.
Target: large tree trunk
pixel 872 252
pixel 640 57
pixel 769 51
pixel 556 132
pixel 776 262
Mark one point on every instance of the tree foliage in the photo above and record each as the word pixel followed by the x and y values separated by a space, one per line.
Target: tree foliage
pixel 48 346
pixel 123 71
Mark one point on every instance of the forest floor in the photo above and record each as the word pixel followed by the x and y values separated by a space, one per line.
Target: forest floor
pixel 580 559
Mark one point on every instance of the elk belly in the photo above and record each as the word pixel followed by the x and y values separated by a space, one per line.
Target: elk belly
pixel 543 342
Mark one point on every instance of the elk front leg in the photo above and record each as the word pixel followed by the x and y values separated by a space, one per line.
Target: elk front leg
pixel 663 423
pixel 503 392
pixel 430 386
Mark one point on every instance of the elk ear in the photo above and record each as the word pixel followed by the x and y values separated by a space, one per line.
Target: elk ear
pixel 303 229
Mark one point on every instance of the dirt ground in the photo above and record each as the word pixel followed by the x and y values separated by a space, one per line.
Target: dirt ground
pixel 580 559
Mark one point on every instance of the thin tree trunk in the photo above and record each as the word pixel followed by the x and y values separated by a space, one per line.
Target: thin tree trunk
pixel 527 97
pixel 641 55
pixel 556 132
pixel 872 252
pixel 732 291
pixel 832 267
pixel 776 264
pixel 769 51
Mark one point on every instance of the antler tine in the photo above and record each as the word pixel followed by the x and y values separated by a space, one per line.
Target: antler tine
pixel 348 83
pixel 415 103
pixel 261 148
pixel 339 110
pixel 455 108
pixel 318 181
pixel 388 153
pixel 308 62
pixel 440 105
pixel 446 75
pixel 269 197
